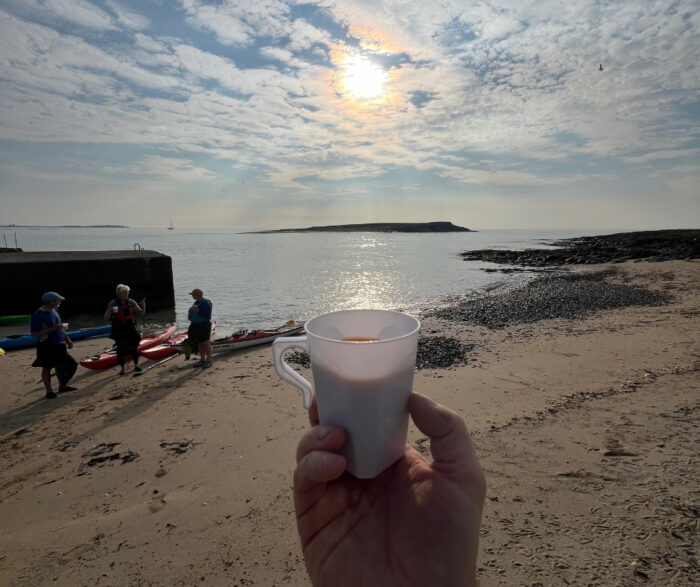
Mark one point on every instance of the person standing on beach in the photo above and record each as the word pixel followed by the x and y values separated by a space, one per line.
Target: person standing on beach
pixel 199 331
pixel 53 344
pixel 121 312
pixel 417 523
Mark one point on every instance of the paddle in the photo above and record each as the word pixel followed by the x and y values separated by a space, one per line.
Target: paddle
pixel 165 360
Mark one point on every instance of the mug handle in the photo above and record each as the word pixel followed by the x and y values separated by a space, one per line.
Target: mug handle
pixel 280 345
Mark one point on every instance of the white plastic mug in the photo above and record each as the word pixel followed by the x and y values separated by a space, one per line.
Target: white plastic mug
pixel 360 385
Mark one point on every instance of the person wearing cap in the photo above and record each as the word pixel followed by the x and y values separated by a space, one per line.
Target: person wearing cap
pixel 121 312
pixel 199 332
pixel 53 344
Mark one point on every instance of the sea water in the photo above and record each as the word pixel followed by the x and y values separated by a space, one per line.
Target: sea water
pixel 264 280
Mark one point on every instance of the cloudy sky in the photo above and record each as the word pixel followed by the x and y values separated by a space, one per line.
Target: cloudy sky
pixel 283 113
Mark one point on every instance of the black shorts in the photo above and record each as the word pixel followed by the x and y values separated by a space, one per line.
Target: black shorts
pixel 125 335
pixel 49 354
pixel 199 332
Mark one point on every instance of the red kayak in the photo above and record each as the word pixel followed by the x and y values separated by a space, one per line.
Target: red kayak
pixel 169 346
pixel 247 338
pixel 108 358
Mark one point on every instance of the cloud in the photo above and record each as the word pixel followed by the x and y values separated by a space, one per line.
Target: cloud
pixel 78 12
pixel 500 95
pixel 174 169
pixel 39 58
pixel 303 35
pixel 663 155
pixel 239 22
pixel 283 55
pixel 127 18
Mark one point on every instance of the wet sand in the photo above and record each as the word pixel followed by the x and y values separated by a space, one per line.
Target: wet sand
pixel 587 430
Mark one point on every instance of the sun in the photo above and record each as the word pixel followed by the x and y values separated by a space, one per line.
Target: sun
pixel 363 78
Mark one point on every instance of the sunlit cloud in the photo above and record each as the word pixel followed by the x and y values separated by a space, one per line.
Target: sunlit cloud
pixel 363 78
pixel 355 98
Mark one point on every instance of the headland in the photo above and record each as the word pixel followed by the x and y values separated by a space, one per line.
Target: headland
pixel 650 245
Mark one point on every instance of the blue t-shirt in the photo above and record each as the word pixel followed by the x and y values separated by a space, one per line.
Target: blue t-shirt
pixel 41 320
pixel 204 314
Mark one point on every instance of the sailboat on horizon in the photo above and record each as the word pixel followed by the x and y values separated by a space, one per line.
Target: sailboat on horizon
pixel 171 226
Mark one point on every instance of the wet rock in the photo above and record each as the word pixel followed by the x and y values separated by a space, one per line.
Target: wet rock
pixel 654 245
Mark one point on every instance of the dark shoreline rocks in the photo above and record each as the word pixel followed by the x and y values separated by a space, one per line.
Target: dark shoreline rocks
pixel 434 352
pixel 415 227
pixel 655 245
pixel 569 296
pixel 441 352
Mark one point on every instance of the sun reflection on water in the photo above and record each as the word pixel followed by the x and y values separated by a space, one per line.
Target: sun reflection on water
pixel 374 282
pixel 366 289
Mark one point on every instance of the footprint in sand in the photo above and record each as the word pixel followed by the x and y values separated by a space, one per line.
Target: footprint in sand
pixel 156 504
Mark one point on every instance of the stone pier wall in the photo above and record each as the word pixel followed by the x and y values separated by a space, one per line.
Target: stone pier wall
pixel 87 279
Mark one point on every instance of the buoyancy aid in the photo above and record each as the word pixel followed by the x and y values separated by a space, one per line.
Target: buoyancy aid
pixel 125 313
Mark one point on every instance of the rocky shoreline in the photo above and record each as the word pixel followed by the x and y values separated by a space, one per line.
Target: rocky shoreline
pixel 567 295
pixel 570 296
pixel 654 246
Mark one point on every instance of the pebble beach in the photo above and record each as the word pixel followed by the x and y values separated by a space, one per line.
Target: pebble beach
pixel 580 390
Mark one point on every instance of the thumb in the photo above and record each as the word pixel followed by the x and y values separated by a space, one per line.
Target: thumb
pixel 450 444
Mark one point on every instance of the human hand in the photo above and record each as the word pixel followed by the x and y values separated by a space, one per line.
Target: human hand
pixel 417 523
pixel 69 343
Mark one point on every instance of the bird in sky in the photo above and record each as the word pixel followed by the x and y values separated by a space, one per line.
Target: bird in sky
pixel 600 67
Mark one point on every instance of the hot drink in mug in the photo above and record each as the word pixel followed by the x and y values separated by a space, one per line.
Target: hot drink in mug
pixel 362 362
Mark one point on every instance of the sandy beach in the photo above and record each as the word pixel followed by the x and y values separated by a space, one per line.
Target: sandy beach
pixel 587 430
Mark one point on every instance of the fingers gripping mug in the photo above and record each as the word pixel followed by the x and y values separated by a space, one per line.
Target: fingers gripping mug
pixel 362 362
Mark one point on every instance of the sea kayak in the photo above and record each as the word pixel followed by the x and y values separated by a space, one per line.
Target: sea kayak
pixel 108 357
pixel 21 341
pixel 168 347
pixel 247 338
pixel 19 319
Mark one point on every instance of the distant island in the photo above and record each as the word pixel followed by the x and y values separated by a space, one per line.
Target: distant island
pixel 377 227
pixel 64 226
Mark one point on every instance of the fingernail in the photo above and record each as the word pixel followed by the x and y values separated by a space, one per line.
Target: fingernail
pixel 324 460
pixel 323 431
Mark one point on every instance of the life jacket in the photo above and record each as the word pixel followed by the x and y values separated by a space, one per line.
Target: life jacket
pixel 125 313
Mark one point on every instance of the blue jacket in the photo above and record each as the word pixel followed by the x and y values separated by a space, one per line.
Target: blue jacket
pixel 204 315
